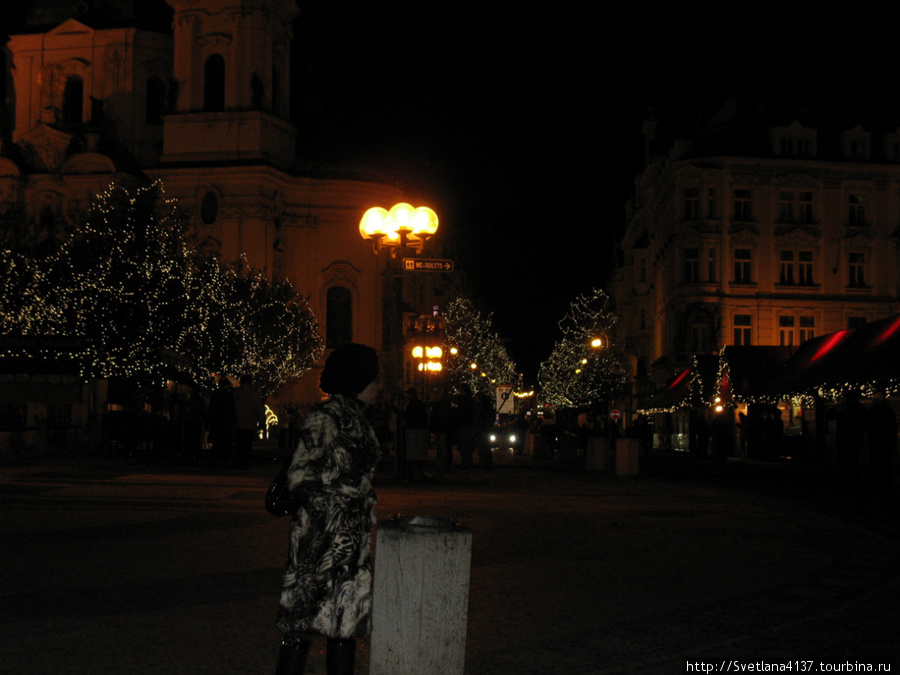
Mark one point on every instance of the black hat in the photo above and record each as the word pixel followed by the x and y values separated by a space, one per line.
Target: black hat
pixel 349 369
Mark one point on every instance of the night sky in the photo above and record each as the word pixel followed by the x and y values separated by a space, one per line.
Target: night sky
pixel 520 122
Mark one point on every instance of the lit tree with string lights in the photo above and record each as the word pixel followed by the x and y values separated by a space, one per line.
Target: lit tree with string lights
pixel 240 323
pixel 584 367
pixel 129 292
pixel 117 285
pixel 476 360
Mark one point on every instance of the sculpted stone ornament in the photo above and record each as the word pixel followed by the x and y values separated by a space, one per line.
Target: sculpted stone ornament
pixel 45 147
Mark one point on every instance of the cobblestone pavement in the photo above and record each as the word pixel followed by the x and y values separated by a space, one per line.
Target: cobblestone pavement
pixel 127 566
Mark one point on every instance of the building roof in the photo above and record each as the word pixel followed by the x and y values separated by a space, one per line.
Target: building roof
pixel 741 128
pixel 151 15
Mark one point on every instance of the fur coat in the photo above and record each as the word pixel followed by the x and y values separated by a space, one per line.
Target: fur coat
pixel 327 588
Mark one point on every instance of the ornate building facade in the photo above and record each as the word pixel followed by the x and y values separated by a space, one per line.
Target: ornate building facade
pixel 760 228
pixel 200 101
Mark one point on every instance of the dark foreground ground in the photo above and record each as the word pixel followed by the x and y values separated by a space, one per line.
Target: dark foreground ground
pixel 128 566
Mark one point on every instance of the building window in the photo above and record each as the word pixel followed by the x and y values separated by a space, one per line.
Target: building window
pixel 209 208
pixel 743 266
pixel 796 147
pixel 743 202
pixel 807 328
pixel 13 416
pixel 857 210
pixel 711 210
pixel 214 84
pixel 805 207
pixel 642 270
pixel 276 90
pixel 338 316
pixel 794 330
pixel 796 268
pixel 892 149
pixel 857 270
pixel 786 330
pixel 698 335
pixel 711 264
pixel 691 266
pixel 743 329
pixel 795 207
pixel 643 320
pixel 786 207
pixel 691 203
pixel 73 101
pixel 156 101
pixel 858 148
pixel 59 415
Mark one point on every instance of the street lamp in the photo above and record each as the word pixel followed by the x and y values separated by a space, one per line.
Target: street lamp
pixel 429 358
pixel 403 226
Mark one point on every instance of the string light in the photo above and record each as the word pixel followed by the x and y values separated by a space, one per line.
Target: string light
pixel 126 291
pixel 477 358
pixel 583 369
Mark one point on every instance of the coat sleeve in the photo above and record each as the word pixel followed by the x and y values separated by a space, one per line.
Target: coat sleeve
pixel 308 464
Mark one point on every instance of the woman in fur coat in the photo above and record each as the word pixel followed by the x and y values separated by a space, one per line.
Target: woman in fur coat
pixel 327 589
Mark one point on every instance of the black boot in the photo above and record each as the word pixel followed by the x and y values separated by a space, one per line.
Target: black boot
pixel 340 655
pixel 292 657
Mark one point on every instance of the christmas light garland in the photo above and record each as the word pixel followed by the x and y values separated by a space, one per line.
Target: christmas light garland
pixel 577 374
pixel 128 291
pixel 470 340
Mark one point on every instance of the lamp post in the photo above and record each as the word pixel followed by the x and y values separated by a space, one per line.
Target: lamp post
pixel 399 229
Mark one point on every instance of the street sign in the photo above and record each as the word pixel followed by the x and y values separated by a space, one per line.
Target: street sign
pixel 615 414
pixel 427 265
pixel 505 401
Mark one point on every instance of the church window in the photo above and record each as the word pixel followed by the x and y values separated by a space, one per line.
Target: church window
pixel 73 101
pixel 276 91
pixel 214 84
pixel 156 101
pixel 209 208
pixel 338 316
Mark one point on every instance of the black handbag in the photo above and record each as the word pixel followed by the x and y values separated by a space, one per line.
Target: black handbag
pixel 279 501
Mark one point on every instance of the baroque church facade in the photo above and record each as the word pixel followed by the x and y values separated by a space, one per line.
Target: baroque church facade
pixel 202 104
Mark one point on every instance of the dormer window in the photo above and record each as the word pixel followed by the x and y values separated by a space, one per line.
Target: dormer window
pixel 892 146
pixel 794 141
pixel 856 144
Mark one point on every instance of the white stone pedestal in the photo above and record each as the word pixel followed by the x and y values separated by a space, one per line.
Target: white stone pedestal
pixel 420 599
